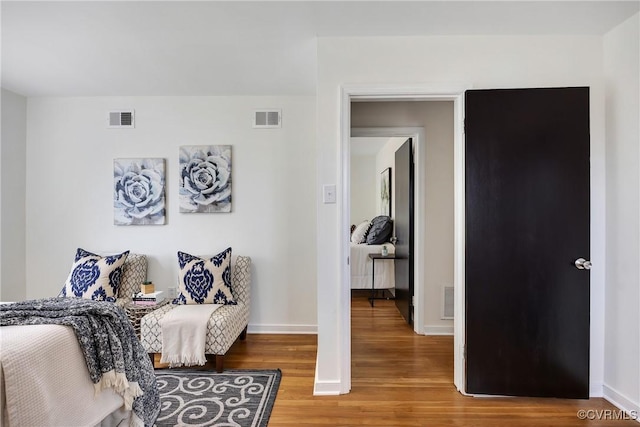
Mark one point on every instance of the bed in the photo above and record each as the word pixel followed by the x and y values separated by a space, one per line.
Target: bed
pixel 73 362
pixel 36 362
pixel 48 377
pixel 361 267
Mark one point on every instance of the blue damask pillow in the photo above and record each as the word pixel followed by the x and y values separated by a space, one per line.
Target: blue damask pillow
pixel 94 277
pixel 205 281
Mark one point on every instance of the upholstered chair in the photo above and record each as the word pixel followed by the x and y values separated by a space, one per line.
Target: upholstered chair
pixel 134 273
pixel 225 324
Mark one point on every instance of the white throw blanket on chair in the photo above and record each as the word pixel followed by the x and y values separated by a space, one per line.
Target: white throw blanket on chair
pixel 184 334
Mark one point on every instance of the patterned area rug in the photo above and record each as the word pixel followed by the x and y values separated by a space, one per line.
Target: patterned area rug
pixel 205 398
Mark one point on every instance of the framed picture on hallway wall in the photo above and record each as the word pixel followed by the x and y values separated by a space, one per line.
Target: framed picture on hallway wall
pixel 385 192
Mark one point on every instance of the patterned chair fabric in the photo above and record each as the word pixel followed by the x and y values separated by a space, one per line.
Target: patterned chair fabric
pixel 225 324
pixel 134 273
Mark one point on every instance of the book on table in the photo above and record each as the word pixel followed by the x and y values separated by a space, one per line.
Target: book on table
pixel 147 303
pixel 148 299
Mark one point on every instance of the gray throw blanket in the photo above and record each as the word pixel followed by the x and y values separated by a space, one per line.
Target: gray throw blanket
pixel 114 355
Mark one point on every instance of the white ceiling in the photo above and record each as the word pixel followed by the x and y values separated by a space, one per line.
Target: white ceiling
pixel 84 48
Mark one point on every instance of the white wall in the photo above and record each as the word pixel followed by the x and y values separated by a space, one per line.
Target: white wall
pixel 436 117
pixel 622 322
pixel 70 193
pixel 13 189
pixel 446 61
pixel 363 183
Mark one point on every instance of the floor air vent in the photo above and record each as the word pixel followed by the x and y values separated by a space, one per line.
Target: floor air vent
pixel 121 119
pixel 267 119
pixel 447 302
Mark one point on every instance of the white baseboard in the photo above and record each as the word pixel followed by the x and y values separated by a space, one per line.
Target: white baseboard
pixel 282 329
pixel 438 330
pixel 623 402
pixel 325 388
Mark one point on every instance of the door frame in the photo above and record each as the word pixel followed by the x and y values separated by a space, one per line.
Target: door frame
pixel 402 93
pixel 420 158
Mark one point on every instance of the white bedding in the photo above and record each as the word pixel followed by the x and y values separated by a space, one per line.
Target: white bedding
pixel 361 267
pixel 44 380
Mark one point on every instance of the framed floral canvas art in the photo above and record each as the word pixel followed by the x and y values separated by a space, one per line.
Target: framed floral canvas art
pixel 205 178
pixel 138 192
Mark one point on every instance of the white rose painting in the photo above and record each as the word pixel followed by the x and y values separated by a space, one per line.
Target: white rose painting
pixel 205 178
pixel 138 196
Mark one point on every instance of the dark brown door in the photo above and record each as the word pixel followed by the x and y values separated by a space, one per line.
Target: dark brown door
pixel 527 221
pixel 403 223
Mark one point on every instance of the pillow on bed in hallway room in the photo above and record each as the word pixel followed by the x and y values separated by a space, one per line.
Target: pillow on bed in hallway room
pixel 359 235
pixel 381 230
pixel 205 281
pixel 94 277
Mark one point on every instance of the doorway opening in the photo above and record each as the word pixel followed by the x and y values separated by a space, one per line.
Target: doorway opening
pixel 393 94
pixel 372 156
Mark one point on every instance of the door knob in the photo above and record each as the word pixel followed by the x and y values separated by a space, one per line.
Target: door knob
pixel 583 264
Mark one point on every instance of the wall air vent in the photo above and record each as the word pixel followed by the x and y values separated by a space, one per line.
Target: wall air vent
pixel 447 302
pixel 121 119
pixel 267 119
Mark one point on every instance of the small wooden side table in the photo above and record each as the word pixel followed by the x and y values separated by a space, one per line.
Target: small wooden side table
pixel 135 312
pixel 374 257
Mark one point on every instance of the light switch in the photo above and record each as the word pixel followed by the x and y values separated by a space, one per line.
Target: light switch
pixel 329 193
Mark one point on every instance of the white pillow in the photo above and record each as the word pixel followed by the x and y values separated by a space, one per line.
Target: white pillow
pixel 359 235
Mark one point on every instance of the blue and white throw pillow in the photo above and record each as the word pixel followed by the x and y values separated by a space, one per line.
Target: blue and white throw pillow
pixel 205 281
pixel 94 277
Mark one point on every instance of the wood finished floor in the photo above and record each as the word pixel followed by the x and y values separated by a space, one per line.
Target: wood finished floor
pixel 398 379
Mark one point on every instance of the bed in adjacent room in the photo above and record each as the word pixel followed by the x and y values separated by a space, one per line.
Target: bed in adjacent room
pixel 362 270
pixel 369 237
